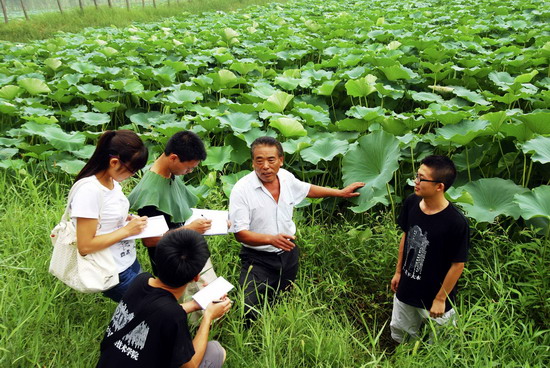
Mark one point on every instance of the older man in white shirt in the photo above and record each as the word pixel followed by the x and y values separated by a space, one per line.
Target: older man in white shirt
pixel 260 210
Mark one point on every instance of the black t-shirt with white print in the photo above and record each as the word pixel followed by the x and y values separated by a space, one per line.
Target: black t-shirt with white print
pixel 162 339
pixel 432 243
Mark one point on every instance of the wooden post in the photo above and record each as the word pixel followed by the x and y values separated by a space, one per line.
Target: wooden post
pixel 24 9
pixel 81 5
pixel 143 3
pixel 128 4
pixel 155 4
pixel 4 11
pixel 110 3
pixel 59 5
pixel 95 3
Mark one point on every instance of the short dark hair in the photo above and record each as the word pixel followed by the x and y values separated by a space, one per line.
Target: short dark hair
pixel 187 146
pixel 444 169
pixel 267 141
pixel 180 255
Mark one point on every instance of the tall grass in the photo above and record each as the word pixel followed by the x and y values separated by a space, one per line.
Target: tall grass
pixel 42 26
pixel 336 316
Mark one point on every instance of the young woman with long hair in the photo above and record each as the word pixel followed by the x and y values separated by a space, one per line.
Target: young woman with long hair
pixel 100 209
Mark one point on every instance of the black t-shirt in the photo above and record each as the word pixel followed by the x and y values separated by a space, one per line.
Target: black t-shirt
pixel 151 211
pixel 432 243
pixel 162 339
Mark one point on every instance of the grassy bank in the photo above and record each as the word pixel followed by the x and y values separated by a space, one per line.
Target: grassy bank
pixel 45 25
pixel 337 316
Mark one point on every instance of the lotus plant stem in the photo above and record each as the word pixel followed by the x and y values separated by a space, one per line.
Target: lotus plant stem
pixel 524 170
pixel 505 163
pixel 391 201
pixel 412 159
pixel 529 174
pixel 468 164
pixel 332 107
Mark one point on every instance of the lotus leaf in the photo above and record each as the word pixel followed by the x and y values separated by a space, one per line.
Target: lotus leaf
pixel 34 86
pixel 92 118
pixel 373 161
pixel 229 181
pixel 538 121
pixel 289 127
pixel 535 203
pixel 296 145
pixel 361 87
pixel 71 167
pixel 217 157
pixel 492 198
pixel 240 122
pixel 9 92
pixel 463 132
pixel 240 152
pixel 324 149
pixel 278 101
pixel 539 147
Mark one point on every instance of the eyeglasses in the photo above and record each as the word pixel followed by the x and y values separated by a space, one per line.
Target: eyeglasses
pixel 133 172
pixel 419 179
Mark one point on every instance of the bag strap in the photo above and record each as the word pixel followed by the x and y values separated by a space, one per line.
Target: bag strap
pixel 73 192
pixel 147 311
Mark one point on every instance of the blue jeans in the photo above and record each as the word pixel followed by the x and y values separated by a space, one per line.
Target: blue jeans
pixel 125 278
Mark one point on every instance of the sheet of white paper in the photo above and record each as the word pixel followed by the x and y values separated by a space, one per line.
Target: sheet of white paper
pixel 156 226
pixel 219 220
pixel 213 291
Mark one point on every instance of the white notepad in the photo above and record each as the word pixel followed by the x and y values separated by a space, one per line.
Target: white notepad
pixel 156 226
pixel 213 291
pixel 219 220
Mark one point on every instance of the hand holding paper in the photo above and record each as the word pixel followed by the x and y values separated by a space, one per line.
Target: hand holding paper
pixel 156 226
pixel 213 292
pixel 218 220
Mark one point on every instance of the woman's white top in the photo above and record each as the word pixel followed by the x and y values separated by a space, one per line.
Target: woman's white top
pixel 87 202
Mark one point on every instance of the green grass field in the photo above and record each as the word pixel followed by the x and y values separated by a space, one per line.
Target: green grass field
pixel 337 316
pixel 42 26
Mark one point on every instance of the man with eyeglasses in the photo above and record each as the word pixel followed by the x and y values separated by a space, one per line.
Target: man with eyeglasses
pixel 161 191
pixel 432 252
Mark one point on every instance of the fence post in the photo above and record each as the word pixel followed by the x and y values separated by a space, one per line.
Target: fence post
pixel 4 11
pixel 59 5
pixel 110 3
pixel 143 3
pixel 128 4
pixel 155 4
pixel 24 9
pixel 95 3
pixel 81 5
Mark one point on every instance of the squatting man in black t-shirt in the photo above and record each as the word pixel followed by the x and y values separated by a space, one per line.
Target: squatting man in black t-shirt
pixel 157 334
pixel 432 251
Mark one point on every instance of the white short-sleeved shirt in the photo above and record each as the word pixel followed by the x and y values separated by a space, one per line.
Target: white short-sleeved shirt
pixel 86 203
pixel 253 208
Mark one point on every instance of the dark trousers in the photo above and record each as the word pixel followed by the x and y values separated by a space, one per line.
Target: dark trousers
pixel 264 274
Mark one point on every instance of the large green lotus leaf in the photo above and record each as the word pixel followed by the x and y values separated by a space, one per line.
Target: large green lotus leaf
pixel 498 118
pixel 396 72
pixel 296 145
pixel 177 98
pixel 217 157
pixel 240 152
pixel 278 101
pixel 255 133
pixel 357 125
pixel 365 113
pixel 288 83
pixel 84 68
pixel 289 127
pixel 7 108
pixel 518 130
pixel 539 147
pixel 538 121
pixel 361 87
pixel 426 97
pixel 34 86
pixel 84 152
pixel 458 195
pixel 228 181
pixel 105 106
pixel 152 118
pixel 324 149
pixel 492 197
pixel 240 122
pixel 89 88
pixel 9 92
pixel 373 161
pixel 314 115
pixel 56 136
pixel 7 153
pixel 92 118
pixel 463 132
pixel 326 88
pixel 535 203
pixel 469 95
pixel 71 167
